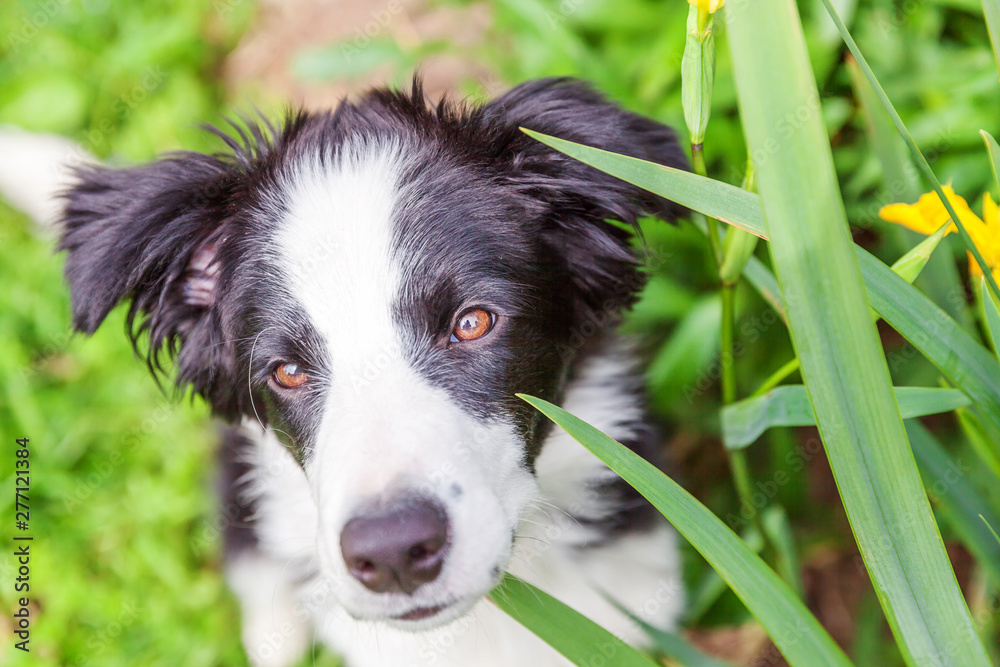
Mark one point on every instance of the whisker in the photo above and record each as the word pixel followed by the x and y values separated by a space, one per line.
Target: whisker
pixel 250 390
pixel 250 377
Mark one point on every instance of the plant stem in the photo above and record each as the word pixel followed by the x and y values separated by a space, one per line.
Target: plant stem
pixel 728 358
pixel 714 240
pixel 776 378
pixel 738 465
pixel 737 458
pixel 703 18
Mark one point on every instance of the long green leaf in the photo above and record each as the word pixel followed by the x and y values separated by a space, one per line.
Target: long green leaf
pixel 745 421
pixel 843 366
pixel 966 363
pixel 690 190
pixel 795 631
pixel 911 144
pixel 937 336
pixel 992 532
pixel 991 10
pixel 994 152
pixel 940 279
pixel 758 275
pixel 707 591
pixel 671 644
pixel 958 503
pixel 678 650
pixel 992 310
pixel 571 633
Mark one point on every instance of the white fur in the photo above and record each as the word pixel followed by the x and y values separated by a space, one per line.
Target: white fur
pixel 390 431
pixel 640 570
pixel 385 428
pixel 275 628
pixel 35 168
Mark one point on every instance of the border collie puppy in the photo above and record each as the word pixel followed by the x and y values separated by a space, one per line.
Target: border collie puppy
pixel 360 294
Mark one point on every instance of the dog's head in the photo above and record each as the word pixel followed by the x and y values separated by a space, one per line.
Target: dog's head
pixel 375 284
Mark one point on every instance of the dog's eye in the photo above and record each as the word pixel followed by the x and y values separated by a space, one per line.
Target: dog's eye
pixel 472 324
pixel 289 376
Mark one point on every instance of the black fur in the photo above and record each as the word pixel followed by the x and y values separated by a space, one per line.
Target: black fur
pixel 131 235
pixel 235 469
pixel 496 217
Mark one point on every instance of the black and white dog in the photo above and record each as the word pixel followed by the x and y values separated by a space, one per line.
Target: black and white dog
pixel 360 294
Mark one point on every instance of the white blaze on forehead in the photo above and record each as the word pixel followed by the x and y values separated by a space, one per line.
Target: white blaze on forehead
pixel 383 429
pixel 336 244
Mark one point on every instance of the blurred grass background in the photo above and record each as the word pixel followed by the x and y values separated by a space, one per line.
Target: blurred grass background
pixel 125 565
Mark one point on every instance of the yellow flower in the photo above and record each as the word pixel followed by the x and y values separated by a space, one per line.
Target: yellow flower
pixel 709 6
pixel 928 214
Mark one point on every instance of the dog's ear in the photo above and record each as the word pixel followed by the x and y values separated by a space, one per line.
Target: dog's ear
pixel 578 199
pixel 151 235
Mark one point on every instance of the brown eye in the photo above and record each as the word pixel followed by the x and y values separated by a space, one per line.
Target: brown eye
pixel 472 324
pixel 289 376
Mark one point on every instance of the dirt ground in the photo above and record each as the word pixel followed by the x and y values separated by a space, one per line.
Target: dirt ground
pixel 260 67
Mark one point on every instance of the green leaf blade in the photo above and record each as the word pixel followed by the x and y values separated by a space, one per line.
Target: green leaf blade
pixel 957 501
pixel 991 11
pixel 910 143
pixel 732 205
pixel 843 366
pixel 571 633
pixel 743 422
pixel 966 363
pixel 795 631
pixel 992 309
pixel 994 152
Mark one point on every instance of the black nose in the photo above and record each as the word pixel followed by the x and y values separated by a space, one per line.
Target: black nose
pixel 396 548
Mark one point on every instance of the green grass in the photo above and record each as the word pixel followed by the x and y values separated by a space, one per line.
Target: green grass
pixel 121 486
pixel 125 560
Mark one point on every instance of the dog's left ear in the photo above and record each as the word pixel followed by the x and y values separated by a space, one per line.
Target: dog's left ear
pixel 151 236
pixel 578 199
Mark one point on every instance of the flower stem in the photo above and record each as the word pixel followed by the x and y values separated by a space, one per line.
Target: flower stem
pixel 704 16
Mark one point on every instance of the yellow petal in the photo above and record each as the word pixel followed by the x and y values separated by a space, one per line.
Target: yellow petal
pixel 991 216
pixel 710 6
pixel 985 235
pixel 992 257
pixel 908 215
pixel 989 244
pixel 974 270
pixel 928 214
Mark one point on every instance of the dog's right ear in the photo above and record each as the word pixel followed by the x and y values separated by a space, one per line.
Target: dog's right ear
pixel 576 200
pixel 150 235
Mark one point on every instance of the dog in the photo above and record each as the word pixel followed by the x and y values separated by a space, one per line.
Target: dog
pixel 360 294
